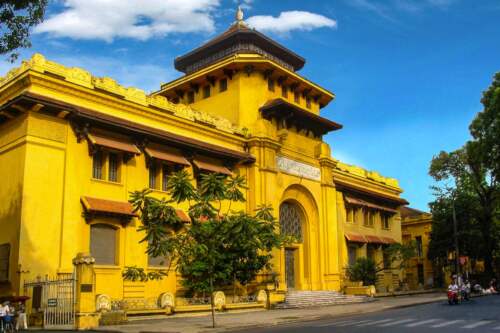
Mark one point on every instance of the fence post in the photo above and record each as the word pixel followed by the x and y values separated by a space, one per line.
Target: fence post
pixel 86 315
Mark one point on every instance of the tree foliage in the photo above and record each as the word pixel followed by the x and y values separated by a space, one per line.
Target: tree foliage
pixel 220 246
pixel 469 179
pixel 17 17
pixel 364 269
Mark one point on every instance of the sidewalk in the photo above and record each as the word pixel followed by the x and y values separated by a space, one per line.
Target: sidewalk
pixel 262 318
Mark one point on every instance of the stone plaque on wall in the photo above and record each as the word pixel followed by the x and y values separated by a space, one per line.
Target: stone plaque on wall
pixel 298 168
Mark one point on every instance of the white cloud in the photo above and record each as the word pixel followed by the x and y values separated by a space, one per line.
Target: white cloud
pixel 291 20
pixel 137 19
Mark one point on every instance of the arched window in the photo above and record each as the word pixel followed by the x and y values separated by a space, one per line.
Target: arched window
pixel 291 220
pixel 103 244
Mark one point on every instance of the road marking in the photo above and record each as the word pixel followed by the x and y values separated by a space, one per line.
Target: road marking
pixel 419 323
pixel 397 322
pixel 355 323
pixel 479 323
pixel 375 322
pixel 448 323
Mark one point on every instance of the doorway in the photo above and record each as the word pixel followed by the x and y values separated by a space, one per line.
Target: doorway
pixel 290 268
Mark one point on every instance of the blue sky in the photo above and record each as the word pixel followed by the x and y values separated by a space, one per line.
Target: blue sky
pixel 408 74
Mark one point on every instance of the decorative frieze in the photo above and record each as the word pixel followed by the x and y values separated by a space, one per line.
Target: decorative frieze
pixel 298 168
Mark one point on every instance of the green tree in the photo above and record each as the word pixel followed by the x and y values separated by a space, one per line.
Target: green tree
pixel 364 269
pixel 473 172
pixel 17 17
pixel 218 248
pixel 469 233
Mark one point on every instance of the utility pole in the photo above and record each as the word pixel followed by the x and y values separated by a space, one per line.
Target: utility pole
pixel 455 236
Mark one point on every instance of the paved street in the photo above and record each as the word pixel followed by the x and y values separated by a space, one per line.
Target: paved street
pixel 479 315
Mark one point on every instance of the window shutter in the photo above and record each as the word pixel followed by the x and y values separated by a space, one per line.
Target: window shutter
pixel 4 262
pixel 103 244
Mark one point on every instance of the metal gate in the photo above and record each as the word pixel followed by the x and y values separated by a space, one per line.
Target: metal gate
pixel 53 299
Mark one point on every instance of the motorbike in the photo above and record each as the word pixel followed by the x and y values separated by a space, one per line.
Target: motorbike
pixel 453 297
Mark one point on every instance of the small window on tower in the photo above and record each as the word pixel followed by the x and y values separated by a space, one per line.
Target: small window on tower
pixel 284 91
pixel 206 91
pixel 308 102
pixel 270 84
pixel 222 85
pixel 190 97
pixel 296 97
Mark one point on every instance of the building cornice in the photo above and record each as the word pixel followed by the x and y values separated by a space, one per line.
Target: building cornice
pixel 109 91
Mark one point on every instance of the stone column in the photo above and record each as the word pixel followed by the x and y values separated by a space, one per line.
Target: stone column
pixel 86 314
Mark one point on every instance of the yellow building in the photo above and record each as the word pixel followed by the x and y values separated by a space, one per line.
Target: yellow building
pixel 72 147
pixel 416 227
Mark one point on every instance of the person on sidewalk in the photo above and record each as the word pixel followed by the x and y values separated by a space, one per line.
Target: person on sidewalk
pixel 3 313
pixel 21 317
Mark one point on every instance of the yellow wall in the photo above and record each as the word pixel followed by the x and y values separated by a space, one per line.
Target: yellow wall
pixel 12 159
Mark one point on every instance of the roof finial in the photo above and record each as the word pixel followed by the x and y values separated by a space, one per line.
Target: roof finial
pixel 239 15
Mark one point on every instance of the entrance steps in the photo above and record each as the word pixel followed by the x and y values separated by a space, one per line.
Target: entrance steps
pixel 302 299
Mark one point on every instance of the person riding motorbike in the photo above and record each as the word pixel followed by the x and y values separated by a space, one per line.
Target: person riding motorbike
pixel 466 289
pixel 453 293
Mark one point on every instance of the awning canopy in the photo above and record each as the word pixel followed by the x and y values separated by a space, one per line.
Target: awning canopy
pixel 373 239
pixel 211 167
pixel 294 115
pixel 107 207
pixel 359 202
pixel 356 238
pixel 388 240
pixel 183 216
pixel 113 143
pixel 166 155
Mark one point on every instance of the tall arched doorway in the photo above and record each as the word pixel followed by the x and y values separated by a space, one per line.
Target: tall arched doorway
pixel 292 224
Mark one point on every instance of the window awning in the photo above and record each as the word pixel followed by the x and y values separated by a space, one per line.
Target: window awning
pixel 113 143
pixel 374 239
pixel 166 155
pixel 183 216
pixel 212 167
pixel 359 202
pixel 356 238
pixel 107 207
pixel 388 240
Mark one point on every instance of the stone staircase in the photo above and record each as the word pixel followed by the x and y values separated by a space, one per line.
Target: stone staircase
pixel 302 299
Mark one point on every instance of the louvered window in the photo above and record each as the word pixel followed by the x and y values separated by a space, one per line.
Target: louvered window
pixel 97 163
pixel 158 261
pixel 152 175
pixel 113 167
pixel 103 244
pixel 4 262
